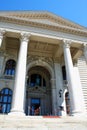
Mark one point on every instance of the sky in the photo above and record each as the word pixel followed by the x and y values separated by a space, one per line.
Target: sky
pixel 73 10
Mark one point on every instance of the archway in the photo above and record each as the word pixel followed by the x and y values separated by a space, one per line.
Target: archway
pixel 38 97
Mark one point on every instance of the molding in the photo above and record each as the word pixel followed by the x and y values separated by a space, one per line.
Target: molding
pixel 60 27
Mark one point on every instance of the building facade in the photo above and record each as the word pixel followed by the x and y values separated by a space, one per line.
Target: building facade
pixel 43 65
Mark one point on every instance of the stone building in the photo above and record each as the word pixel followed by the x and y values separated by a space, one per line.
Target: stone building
pixel 43 64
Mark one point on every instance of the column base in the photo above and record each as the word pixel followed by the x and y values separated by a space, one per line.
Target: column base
pixel 16 113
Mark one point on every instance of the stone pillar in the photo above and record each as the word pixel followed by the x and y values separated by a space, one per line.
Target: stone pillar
pixel 54 97
pixel 1 36
pixel 70 77
pixel 19 86
pixel 59 87
pixel 85 51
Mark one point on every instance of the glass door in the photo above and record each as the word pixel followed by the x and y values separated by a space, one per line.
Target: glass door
pixel 35 106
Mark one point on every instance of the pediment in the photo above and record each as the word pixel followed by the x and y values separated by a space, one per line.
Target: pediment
pixel 39 17
pixel 43 20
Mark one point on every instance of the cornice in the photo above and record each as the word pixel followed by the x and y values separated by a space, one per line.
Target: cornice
pixel 42 15
pixel 62 28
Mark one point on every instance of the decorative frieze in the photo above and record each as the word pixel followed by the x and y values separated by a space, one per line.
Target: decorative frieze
pixel 40 60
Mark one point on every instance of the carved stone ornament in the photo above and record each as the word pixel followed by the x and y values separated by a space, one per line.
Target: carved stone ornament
pixel 67 43
pixel 25 36
pixel 40 60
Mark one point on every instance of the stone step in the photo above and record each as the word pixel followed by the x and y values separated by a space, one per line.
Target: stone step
pixel 82 65
pixel 42 123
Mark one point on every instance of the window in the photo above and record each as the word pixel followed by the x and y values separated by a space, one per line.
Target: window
pixel 5 100
pixel 10 67
pixel 36 80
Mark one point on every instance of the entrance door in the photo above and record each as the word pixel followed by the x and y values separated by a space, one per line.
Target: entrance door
pixel 35 106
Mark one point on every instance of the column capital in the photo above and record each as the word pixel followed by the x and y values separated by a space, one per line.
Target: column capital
pixel 2 32
pixel 25 36
pixel 66 43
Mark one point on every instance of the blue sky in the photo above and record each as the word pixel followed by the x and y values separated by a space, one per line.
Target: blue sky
pixel 74 10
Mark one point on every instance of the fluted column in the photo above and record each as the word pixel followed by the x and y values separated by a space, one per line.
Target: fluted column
pixel 19 86
pixel 70 77
pixel 1 36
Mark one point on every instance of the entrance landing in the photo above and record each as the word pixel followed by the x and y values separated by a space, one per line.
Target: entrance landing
pixel 41 123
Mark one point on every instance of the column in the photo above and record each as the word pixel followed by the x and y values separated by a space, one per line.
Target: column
pixel 70 77
pixel 54 97
pixel 19 86
pixel 1 36
pixel 85 51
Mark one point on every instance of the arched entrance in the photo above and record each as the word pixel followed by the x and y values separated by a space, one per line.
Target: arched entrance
pixel 38 92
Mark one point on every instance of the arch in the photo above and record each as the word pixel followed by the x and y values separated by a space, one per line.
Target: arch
pixel 39 91
pixel 5 100
pixel 42 64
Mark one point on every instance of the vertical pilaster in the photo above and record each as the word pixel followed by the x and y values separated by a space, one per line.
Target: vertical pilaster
pixel 59 86
pixel 19 86
pixel 54 97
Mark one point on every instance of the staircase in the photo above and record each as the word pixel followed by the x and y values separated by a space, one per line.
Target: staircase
pixel 82 65
pixel 42 123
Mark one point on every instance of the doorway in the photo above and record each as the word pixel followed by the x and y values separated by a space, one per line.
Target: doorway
pixel 35 106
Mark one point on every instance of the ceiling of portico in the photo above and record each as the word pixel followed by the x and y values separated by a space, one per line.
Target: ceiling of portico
pixel 42 47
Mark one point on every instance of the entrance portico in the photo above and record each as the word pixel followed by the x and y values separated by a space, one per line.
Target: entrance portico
pixel 43 53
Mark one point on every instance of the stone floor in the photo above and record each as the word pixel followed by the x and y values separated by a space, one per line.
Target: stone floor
pixel 42 123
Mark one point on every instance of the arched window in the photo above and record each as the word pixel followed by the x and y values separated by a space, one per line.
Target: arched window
pixel 5 100
pixel 36 80
pixel 10 67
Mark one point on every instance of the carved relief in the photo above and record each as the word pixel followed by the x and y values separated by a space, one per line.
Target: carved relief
pixel 40 60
